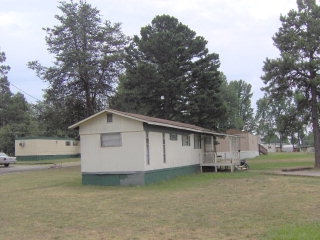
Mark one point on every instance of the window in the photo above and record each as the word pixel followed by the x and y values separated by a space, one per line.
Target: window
pixel 68 143
pixel 185 140
pixel 197 141
pixel 111 140
pixel 173 136
pixel 109 117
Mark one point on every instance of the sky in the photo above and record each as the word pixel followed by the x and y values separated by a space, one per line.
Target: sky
pixel 240 31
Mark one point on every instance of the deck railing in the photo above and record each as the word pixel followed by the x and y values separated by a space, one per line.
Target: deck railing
pixel 208 158
pixel 211 158
pixel 220 160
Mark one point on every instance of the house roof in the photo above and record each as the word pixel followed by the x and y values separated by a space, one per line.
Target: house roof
pixel 235 131
pixel 152 121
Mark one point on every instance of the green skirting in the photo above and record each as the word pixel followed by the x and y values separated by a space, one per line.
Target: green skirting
pixel 137 178
pixel 46 157
pixel 165 174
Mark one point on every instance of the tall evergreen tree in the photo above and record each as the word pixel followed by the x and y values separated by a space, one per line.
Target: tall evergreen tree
pixel 238 96
pixel 15 115
pixel 297 68
pixel 88 59
pixel 264 118
pixel 171 74
pixel 5 92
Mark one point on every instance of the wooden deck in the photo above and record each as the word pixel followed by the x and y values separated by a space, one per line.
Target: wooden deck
pixel 220 165
pixel 211 159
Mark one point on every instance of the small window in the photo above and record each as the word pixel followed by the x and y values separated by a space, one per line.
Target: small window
pixel 109 117
pixel 173 136
pixel 68 143
pixel 111 140
pixel 185 140
pixel 197 141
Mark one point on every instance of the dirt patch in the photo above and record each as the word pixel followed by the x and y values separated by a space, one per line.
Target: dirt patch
pixel 297 169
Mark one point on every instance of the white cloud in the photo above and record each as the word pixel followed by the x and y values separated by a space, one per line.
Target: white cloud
pixel 7 19
pixel 239 31
pixel 263 10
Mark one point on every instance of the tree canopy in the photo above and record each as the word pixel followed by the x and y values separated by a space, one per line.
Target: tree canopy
pixel 297 68
pixel 15 114
pixel 88 60
pixel 237 95
pixel 171 74
pixel 5 92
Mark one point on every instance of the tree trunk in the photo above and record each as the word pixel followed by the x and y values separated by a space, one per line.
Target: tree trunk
pixel 315 126
pixel 281 143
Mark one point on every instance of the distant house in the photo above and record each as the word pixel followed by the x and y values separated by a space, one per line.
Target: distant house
pixel 119 148
pixel 43 148
pixel 307 148
pixel 275 147
pixel 248 145
pixel 272 148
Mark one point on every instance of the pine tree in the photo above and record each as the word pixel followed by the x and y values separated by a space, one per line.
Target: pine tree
pixel 297 68
pixel 88 60
pixel 170 74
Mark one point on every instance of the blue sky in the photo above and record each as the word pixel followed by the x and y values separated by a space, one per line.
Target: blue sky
pixel 240 31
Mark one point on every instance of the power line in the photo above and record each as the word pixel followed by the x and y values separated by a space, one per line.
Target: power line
pixel 25 92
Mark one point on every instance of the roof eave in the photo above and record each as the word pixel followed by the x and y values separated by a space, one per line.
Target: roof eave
pixel 85 120
pixel 203 131
pixel 188 129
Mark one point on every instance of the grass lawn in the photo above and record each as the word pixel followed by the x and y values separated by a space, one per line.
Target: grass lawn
pixel 276 161
pixel 52 204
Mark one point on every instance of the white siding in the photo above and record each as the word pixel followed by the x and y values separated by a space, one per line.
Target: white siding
pixel 43 147
pixel 120 124
pixel 129 157
pixel 176 154
pixel 132 155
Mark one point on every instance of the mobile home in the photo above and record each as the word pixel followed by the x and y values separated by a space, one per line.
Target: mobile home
pixel 119 148
pixel 43 148
pixel 247 145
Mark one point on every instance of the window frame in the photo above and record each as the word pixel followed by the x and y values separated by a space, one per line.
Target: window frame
pixel 116 143
pixel 185 139
pixel 173 136
pixel 197 141
pixel 109 117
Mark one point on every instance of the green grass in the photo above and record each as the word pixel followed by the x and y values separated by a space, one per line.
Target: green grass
pixel 277 161
pixel 249 205
pixel 309 231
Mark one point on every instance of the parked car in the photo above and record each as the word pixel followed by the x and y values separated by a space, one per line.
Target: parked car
pixel 6 160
